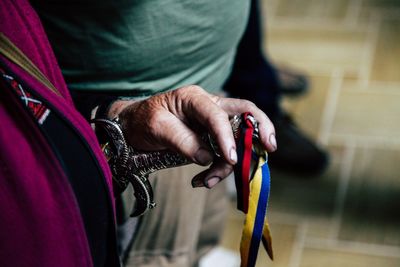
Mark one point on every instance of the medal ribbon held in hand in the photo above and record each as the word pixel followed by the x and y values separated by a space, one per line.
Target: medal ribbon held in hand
pixel 252 192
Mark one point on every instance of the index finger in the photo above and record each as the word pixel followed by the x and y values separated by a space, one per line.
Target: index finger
pixel 200 106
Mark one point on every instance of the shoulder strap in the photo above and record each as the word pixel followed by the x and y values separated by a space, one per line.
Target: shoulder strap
pixel 14 54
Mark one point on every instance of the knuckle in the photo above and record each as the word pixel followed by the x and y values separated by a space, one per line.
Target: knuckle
pixel 194 87
pixel 217 99
pixel 187 91
pixel 249 104
pixel 179 91
pixel 192 90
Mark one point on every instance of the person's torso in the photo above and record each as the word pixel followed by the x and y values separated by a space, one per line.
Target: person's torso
pixel 144 45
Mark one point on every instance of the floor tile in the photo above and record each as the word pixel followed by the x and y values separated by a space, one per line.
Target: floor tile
pixel 318 258
pixel 369 7
pixel 381 3
pixel 371 112
pixel 303 195
pixel 319 227
pixel 386 66
pixel 317 50
pixel 371 212
pixel 312 9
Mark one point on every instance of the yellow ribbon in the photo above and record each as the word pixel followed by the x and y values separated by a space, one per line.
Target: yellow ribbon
pixel 256 228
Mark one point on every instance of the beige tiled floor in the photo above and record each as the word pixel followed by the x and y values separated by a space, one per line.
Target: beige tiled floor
pixel 336 48
pixel 386 66
pixel 371 213
pixel 350 215
pixel 312 8
pixel 369 112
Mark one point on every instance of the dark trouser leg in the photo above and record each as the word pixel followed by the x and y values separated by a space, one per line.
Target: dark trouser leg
pixel 253 77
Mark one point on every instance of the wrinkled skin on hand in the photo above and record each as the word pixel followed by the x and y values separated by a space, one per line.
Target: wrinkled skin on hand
pixel 175 120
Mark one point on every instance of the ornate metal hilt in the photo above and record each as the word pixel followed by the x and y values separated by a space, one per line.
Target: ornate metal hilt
pixel 129 165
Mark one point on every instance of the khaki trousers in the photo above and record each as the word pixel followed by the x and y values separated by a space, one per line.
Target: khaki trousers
pixel 186 223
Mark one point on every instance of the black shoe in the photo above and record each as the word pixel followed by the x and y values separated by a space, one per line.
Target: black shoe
pixel 296 153
pixel 291 82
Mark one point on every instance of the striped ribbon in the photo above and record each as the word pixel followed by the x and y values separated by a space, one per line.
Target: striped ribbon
pixel 252 195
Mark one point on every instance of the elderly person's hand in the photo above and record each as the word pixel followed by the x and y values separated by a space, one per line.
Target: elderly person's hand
pixel 176 119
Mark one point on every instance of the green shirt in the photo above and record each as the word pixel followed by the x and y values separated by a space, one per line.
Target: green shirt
pixel 144 46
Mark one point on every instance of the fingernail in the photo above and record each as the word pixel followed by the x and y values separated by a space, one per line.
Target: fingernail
pixel 211 182
pixel 233 155
pixel 272 140
pixel 203 156
pixel 197 183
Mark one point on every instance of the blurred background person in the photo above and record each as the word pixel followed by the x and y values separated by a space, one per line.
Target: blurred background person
pixel 255 78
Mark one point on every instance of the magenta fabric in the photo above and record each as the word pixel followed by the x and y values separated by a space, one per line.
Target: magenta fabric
pixel 40 223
